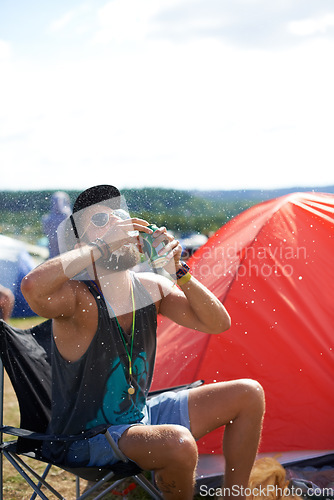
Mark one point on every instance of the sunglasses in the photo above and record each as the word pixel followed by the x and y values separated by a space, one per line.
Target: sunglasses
pixel 101 219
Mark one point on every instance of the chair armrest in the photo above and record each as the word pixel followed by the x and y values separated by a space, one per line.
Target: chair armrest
pixel 115 448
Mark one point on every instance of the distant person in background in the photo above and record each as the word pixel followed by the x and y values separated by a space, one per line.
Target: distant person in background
pixel 59 210
pixel 7 301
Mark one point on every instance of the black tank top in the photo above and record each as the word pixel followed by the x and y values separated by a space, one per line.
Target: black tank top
pixel 94 389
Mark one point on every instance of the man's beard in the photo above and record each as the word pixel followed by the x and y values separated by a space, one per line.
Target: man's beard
pixel 122 259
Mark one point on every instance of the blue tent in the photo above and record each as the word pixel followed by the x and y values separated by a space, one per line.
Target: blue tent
pixel 15 263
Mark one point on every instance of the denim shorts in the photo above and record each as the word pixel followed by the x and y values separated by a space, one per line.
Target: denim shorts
pixel 167 408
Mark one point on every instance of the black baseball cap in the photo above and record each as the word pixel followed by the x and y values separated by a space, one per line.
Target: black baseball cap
pixel 97 194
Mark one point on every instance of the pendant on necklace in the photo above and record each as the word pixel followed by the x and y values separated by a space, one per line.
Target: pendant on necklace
pixel 131 390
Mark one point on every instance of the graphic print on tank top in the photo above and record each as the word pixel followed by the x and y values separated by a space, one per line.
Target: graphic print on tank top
pixel 118 407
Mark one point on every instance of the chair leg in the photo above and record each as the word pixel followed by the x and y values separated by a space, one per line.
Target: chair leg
pixel 148 486
pixel 96 486
pixel 41 479
pixel 20 465
pixel 1 476
pixel 107 490
pixel 25 476
pixel 45 473
pixel 77 487
pixel 140 479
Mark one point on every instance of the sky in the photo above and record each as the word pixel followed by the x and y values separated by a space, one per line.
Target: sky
pixel 187 94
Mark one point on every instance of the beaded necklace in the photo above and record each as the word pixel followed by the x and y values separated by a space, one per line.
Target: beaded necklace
pixel 131 389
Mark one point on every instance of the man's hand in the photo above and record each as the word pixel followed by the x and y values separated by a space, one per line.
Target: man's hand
pixel 124 231
pixel 173 248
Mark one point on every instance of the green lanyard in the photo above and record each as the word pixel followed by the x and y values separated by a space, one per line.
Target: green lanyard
pixel 131 389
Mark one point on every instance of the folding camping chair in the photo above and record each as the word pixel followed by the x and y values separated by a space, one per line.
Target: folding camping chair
pixel 25 354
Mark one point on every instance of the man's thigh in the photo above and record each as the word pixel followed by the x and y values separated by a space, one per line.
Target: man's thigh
pixel 169 408
pixel 214 405
pixel 159 441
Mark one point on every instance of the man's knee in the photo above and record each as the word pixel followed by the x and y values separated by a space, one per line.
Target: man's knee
pixel 181 446
pixel 253 394
pixel 160 446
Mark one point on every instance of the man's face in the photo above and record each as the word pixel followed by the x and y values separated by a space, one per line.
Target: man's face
pixel 98 220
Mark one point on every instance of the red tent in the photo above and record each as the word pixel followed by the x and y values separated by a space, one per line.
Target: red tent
pixel 273 268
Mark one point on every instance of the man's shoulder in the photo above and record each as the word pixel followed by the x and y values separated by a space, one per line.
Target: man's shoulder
pixel 152 278
pixel 156 284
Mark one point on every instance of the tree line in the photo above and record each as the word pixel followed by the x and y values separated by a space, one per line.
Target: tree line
pixel 180 211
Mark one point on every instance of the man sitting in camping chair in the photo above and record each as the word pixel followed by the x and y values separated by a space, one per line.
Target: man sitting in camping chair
pixel 104 341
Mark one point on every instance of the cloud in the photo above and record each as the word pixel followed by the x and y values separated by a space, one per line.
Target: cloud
pixel 321 25
pixel 170 87
pixel 62 22
pixel 244 23
pixel 251 116
pixel 5 50
pixel 77 21
pixel 127 20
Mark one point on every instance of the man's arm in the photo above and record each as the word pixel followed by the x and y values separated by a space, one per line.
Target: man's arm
pixel 194 306
pixel 48 288
pixel 190 304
